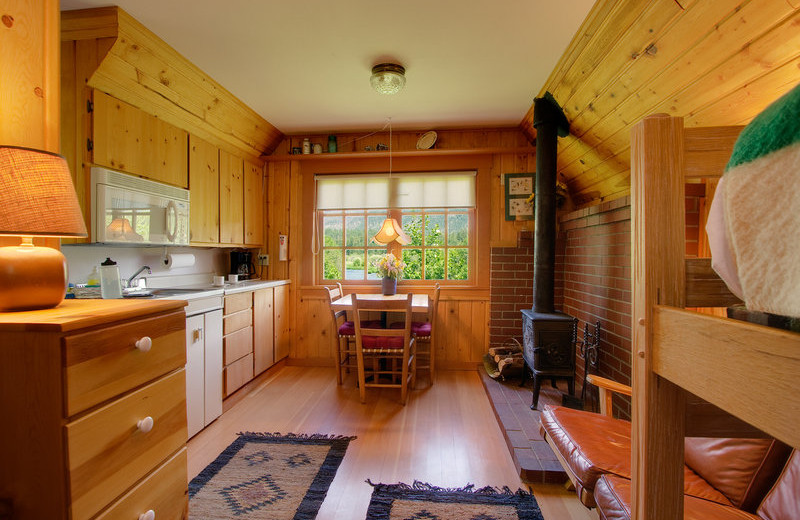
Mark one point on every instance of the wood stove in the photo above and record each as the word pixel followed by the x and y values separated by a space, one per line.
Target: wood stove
pixel 548 336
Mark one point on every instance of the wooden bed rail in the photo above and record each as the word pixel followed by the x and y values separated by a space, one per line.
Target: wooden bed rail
pixel 748 370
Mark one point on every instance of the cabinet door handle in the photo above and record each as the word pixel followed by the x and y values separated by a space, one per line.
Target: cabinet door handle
pixel 145 425
pixel 144 344
pixel 148 515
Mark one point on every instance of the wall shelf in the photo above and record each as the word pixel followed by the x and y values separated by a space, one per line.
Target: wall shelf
pixel 401 153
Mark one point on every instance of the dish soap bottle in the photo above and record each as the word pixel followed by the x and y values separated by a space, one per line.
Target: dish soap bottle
pixel 94 278
pixel 110 286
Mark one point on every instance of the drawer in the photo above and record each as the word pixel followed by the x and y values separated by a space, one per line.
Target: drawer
pixel 238 373
pixel 164 491
pixel 236 345
pixel 238 302
pixel 105 363
pixel 108 453
pixel 237 321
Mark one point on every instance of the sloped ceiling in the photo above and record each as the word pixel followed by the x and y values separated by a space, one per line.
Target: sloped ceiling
pixel 715 63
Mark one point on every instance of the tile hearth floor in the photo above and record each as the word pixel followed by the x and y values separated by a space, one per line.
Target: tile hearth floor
pixel 532 456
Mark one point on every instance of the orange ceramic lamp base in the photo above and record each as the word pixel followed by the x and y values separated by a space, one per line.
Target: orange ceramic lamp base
pixel 31 277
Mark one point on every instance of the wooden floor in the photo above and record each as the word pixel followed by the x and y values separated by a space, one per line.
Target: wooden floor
pixel 446 435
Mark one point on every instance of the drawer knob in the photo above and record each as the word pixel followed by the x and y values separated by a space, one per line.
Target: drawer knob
pixel 148 515
pixel 145 425
pixel 144 344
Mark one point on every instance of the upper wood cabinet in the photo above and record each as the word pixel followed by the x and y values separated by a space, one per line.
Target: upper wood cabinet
pixel 128 139
pixel 253 204
pixel 204 190
pixel 231 198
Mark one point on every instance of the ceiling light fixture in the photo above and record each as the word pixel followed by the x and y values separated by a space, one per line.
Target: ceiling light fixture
pixel 388 78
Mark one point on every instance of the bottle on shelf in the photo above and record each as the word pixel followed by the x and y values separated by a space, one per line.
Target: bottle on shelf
pixel 110 286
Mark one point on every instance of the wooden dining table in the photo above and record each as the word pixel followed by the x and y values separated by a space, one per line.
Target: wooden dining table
pixel 419 302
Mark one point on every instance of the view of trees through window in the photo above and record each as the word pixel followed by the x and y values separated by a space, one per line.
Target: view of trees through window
pixel 439 248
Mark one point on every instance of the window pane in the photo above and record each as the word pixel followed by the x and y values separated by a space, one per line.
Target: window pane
pixel 412 225
pixel 434 230
pixel 354 264
pixel 458 263
pixel 332 264
pixel 373 255
pixel 332 232
pixel 374 223
pixel 457 229
pixel 434 264
pixel 354 231
pixel 413 260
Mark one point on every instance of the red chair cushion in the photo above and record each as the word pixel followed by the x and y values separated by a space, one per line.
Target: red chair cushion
pixel 382 342
pixel 348 328
pixel 420 329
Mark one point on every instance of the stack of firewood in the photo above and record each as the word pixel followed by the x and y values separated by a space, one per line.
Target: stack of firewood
pixel 508 358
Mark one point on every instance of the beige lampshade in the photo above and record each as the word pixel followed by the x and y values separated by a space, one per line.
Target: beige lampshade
pixel 37 197
pixel 391 230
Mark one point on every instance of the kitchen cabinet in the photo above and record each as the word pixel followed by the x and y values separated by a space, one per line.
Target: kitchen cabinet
pixel 281 324
pixel 204 191
pixel 263 330
pixel 96 393
pixel 237 341
pixel 231 199
pixel 253 204
pixel 128 139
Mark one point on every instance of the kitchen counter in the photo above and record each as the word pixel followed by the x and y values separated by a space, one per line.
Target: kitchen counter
pixel 252 285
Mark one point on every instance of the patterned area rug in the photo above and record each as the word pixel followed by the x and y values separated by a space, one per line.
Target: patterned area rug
pixel 267 476
pixel 422 501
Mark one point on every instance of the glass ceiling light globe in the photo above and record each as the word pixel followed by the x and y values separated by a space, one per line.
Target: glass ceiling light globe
pixel 388 78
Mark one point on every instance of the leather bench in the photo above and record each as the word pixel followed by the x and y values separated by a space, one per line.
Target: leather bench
pixel 594 449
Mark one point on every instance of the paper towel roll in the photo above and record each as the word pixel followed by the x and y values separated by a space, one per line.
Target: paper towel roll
pixel 179 260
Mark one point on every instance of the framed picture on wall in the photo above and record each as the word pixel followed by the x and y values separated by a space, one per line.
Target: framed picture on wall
pixel 518 187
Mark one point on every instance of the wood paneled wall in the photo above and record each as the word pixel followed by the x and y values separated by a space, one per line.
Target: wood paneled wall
pixel 463 332
pixel 714 63
pixel 29 80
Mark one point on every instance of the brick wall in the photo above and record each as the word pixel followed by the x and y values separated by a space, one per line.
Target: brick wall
pixel 511 287
pixel 597 284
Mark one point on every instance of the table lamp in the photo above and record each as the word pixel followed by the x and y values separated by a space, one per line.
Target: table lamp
pixel 37 198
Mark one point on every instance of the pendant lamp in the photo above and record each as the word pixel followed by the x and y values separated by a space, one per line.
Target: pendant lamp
pixel 390 229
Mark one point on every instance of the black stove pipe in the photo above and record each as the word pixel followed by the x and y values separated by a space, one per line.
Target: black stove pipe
pixel 550 123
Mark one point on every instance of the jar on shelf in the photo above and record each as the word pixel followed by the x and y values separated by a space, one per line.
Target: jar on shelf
pixel 306 146
pixel 331 144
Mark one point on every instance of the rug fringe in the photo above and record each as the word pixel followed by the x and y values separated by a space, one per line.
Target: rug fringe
pixel 469 488
pixel 310 436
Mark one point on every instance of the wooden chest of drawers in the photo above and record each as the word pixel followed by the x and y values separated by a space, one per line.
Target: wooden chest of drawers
pixel 95 396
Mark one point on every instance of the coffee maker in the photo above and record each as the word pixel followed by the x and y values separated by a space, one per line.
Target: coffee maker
pixel 242 264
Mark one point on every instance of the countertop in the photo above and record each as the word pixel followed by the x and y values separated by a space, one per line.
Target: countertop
pixel 205 290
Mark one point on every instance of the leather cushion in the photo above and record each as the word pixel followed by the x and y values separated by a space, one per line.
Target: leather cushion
pixel 782 501
pixel 742 469
pixel 421 329
pixel 613 497
pixel 348 328
pixel 593 444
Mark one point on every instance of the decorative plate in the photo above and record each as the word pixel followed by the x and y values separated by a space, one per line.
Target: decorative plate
pixel 426 140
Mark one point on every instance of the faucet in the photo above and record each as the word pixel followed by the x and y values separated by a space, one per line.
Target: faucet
pixel 137 273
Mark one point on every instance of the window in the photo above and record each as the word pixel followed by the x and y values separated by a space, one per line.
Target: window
pixel 436 210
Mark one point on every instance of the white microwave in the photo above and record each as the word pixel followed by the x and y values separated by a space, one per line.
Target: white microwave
pixel 136 211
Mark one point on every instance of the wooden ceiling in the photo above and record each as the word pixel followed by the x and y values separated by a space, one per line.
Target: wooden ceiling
pixel 714 62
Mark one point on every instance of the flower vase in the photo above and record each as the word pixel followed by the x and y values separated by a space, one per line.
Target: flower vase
pixel 389 286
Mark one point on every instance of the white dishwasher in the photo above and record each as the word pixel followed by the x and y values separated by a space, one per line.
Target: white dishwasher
pixel 203 362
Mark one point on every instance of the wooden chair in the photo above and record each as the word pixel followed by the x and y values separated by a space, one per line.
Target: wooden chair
pixel 390 353
pixel 345 336
pixel 424 334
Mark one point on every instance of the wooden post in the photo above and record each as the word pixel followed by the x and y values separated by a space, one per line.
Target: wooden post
pixel 657 157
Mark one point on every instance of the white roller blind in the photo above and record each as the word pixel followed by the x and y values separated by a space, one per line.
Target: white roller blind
pixel 414 190
pixel 436 190
pixel 352 191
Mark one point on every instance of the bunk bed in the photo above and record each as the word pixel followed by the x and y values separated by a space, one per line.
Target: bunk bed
pixel 750 372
